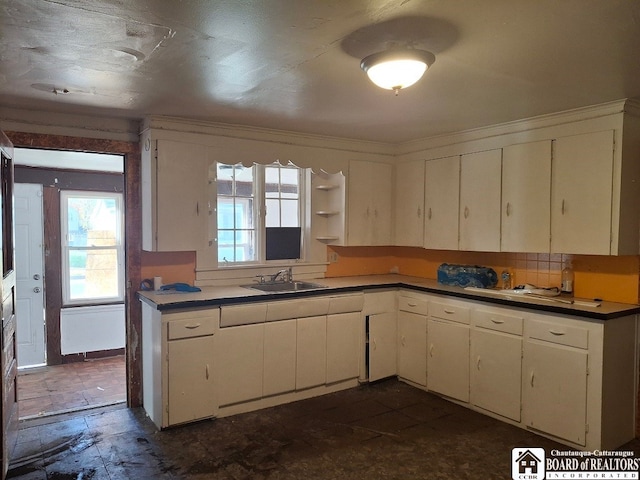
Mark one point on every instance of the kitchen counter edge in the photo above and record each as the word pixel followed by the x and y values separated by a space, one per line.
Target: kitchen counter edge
pixel 229 295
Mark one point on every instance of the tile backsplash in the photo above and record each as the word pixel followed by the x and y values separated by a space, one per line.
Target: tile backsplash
pixel 614 279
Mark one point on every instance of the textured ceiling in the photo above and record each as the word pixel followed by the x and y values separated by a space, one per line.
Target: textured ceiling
pixel 294 65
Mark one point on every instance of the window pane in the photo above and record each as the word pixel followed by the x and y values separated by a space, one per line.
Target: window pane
pixel 93 273
pixel 289 214
pixel 272 218
pixel 92 222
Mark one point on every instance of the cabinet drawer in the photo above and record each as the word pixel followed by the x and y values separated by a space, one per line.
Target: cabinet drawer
pixel 346 303
pixel 310 307
pixel 561 334
pixel 446 311
pixel 234 315
pixel 192 326
pixel 501 322
pixel 413 305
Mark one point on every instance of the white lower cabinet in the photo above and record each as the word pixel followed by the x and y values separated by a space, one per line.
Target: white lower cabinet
pixel 448 350
pixel 412 339
pixel 240 360
pixel 382 345
pixel 279 372
pixel 343 346
pixel 311 352
pixel 496 361
pixel 178 365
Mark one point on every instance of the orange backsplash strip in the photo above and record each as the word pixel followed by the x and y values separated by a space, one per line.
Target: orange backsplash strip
pixel 171 266
pixel 614 279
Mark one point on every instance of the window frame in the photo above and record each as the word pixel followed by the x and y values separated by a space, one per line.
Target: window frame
pixel 66 248
pixel 259 217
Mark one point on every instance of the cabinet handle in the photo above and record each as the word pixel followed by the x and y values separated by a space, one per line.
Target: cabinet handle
pixel 466 212
pixel 497 322
pixel 206 371
pixel 562 208
pixel 375 345
pixel 412 304
pixel 375 212
pixel 532 377
pixel 556 333
pixel 449 312
pixel 431 350
pixel 197 208
pixel 430 214
pixel 193 326
pixel 402 341
pixel 367 212
pixel 478 363
pixel 419 212
pixel 508 209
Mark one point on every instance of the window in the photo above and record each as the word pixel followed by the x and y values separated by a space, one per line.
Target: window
pixel 92 247
pixel 258 207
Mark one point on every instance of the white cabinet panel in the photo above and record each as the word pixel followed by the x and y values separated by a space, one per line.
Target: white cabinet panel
pixel 480 183
pixel 555 390
pixel 526 197
pixel 343 346
pixel 279 357
pixel 311 352
pixel 369 203
pixel 581 194
pixel 441 203
pixel 190 379
pixel 412 347
pixel 409 202
pixel 382 345
pixel 496 372
pixel 240 353
pixel 448 360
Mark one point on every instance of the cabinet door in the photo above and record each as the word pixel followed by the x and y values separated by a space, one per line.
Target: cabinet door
pixel 279 357
pixel 496 372
pixel 448 362
pixel 409 202
pixel 190 379
pixel 412 347
pixel 554 390
pixel 311 352
pixel 480 179
pixel 441 203
pixel 581 194
pixel 239 363
pixel 343 346
pixel 182 196
pixel 369 203
pixel 526 197
pixel 382 345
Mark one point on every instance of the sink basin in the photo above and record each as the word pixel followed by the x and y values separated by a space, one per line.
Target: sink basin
pixel 294 286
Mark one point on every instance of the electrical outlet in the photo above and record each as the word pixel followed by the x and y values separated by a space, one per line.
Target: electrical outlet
pixel 333 257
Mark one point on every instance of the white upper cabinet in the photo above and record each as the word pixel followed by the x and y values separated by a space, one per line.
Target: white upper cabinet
pixel 581 194
pixel 409 217
pixel 175 196
pixel 441 201
pixel 526 197
pixel 480 179
pixel 369 203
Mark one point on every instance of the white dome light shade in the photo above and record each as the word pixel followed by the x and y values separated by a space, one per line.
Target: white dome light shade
pixel 397 69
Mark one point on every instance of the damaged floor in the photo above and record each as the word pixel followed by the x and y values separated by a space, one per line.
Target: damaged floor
pixel 387 430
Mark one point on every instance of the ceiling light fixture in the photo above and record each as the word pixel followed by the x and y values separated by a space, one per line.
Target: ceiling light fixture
pixel 398 68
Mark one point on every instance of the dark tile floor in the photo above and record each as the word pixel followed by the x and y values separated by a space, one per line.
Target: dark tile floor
pixel 387 430
pixel 78 385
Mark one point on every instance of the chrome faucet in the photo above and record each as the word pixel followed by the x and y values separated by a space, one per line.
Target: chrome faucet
pixel 286 273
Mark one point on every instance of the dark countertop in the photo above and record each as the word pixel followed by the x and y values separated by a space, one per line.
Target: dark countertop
pixel 226 295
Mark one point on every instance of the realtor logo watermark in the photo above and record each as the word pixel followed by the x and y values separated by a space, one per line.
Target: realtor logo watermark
pixel 536 464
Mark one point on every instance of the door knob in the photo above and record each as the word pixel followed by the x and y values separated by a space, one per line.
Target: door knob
pixel 36 289
pixel 36 277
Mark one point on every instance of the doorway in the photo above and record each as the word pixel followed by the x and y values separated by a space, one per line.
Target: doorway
pixel 71 333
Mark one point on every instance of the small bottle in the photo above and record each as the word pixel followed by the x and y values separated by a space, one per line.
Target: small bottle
pixel 566 285
pixel 506 280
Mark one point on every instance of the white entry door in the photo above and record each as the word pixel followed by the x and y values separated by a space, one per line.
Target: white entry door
pixel 30 274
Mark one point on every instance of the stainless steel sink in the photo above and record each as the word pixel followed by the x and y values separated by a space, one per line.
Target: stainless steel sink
pixel 294 286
